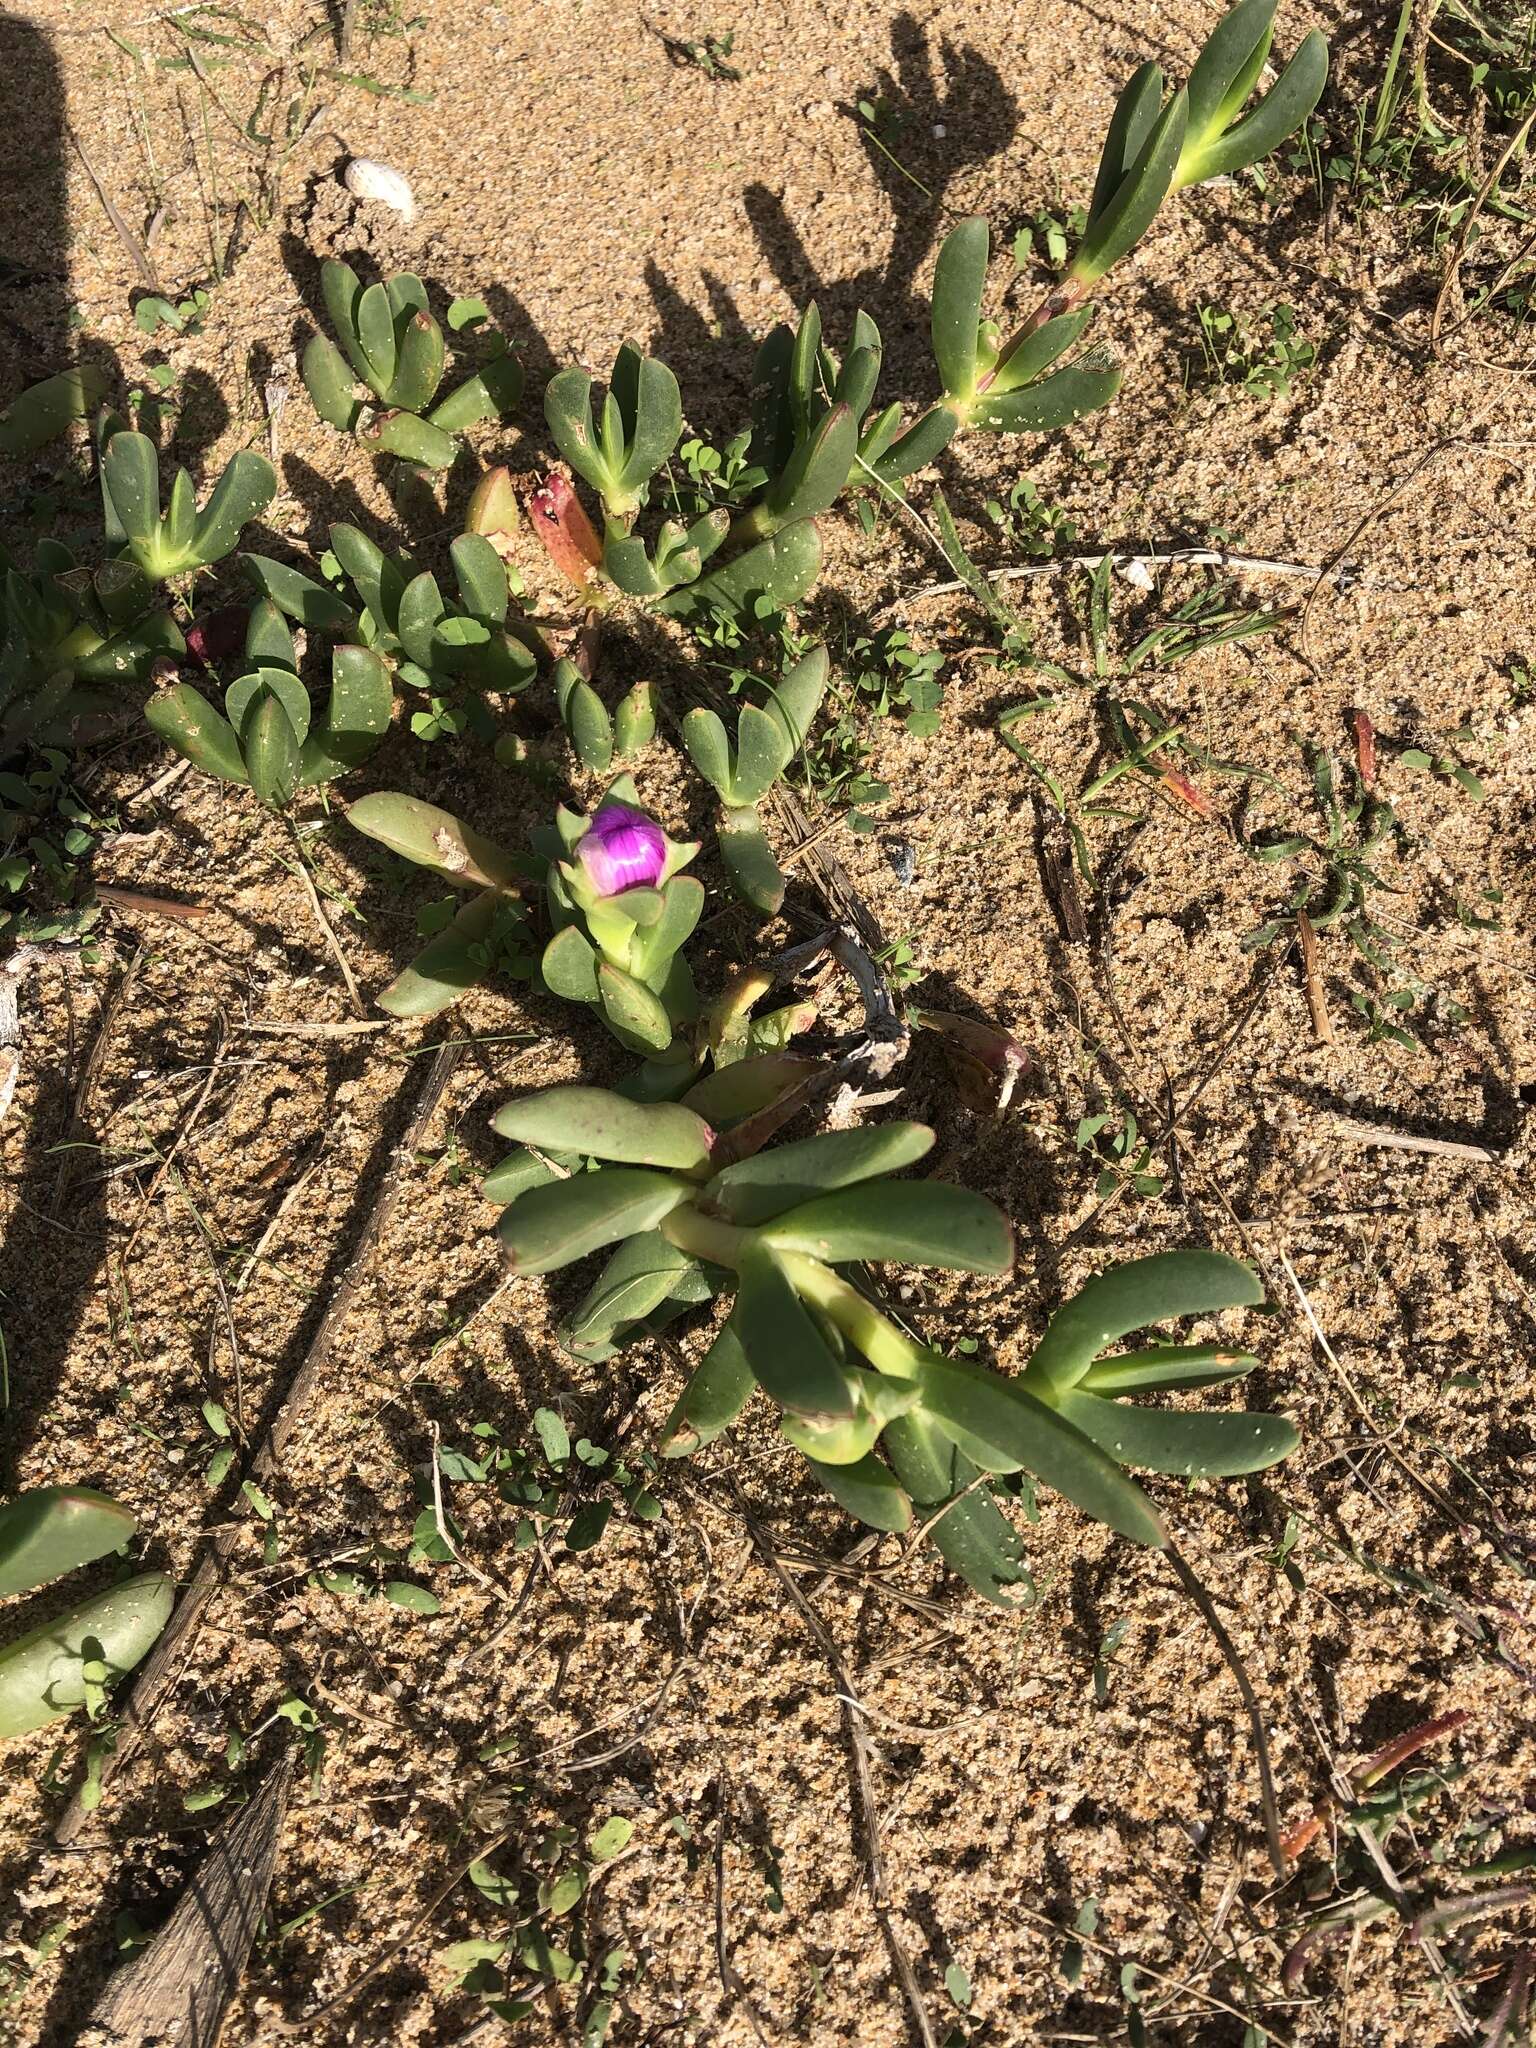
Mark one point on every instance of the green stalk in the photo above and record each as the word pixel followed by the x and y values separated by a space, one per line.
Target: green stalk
pixel 705 1237
pixel 888 1349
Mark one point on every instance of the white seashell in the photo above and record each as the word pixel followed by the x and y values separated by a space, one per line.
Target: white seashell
pixel 366 179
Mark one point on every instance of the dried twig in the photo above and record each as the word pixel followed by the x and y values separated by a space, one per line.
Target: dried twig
pixel 166 1661
pixel 858 1740
pixel 125 234
pixel 1317 1000
pixel 325 924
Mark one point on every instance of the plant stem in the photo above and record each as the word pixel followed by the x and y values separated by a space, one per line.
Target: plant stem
pixel 888 1349
pixel 705 1237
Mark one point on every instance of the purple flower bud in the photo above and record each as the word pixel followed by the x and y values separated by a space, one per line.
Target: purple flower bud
pixel 622 849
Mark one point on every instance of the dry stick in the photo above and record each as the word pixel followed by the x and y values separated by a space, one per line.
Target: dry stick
pixel 853 1724
pixel 179 1987
pixel 1463 241
pixel 78 1123
pixel 1430 1491
pixel 125 234
pixel 1408 1141
pixel 151 906
pixel 188 1123
pixel 1155 556
pixel 1158 1976
pixel 325 924
pixel 1228 1648
pixel 1311 974
pixel 171 1652
pixel 732 1983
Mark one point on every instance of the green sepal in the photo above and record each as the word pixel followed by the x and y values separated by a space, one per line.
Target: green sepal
pixel 604 1125
pixel 636 1013
pixel 568 966
pixel 682 905
pixel 1001 1427
pixel 585 718
pixel 186 721
pixel 553 1225
pixel 42 1673
pixel 52 1529
pixel 918 1223
pixel 788 1354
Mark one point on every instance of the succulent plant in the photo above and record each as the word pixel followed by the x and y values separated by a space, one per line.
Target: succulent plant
pixel 42 412
pixel 267 735
pixel 435 644
pixel 768 737
pixel 596 735
pixel 634 431
pixel 692 1214
pixel 393 346
pixel 67 627
pixel 621 911
pixel 64 1662
pixel 180 538
pixel 488 926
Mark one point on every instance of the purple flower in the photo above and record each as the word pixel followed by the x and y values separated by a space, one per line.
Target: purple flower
pixel 622 849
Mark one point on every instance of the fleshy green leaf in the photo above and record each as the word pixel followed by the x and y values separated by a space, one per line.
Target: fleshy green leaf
pixel 1003 1428
pixel 606 1125
pixel 789 1357
pixel 754 873
pixel 185 720
pixel 245 490
pixel 867 1490
pixel 920 1223
pixel 1167 1365
pixel 1188 1443
pixel 42 1672
pixel 755 1190
pixel 450 963
pixel 959 280
pixel 973 1536
pixel 1055 401
pixel 1129 1297
pixel 297 595
pixel 52 1529
pixel 436 839
pixel 636 1012
pixel 715 1395
pixel 550 1226
pixel 1141 192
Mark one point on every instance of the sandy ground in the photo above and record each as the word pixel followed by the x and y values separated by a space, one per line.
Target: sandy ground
pixel 590 188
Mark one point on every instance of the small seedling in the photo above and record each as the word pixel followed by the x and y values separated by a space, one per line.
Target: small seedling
pixel 1262 356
